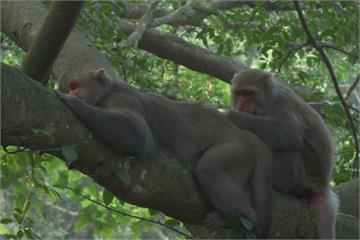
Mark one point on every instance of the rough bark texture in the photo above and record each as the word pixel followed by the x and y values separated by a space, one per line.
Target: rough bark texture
pixel 55 30
pixel 349 197
pixel 21 20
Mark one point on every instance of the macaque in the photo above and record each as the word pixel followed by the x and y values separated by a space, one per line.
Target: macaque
pixel 232 166
pixel 301 143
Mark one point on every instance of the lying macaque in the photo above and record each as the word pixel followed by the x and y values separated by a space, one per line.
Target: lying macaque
pixel 231 166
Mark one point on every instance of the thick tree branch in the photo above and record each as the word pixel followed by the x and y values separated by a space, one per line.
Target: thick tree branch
pixel 50 39
pixel 137 10
pixel 183 15
pixel 328 65
pixel 164 183
pixel 349 197
pixel 181 52
pixel 21 20
pixel 186 14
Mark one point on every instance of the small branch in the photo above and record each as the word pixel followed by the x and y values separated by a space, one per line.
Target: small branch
pixel 175 16
pixel 143 25
pixel 128 215
pixel 335 83
pixel 325 45
pixel 352 87
pixel 291 49
pixel 61 209
pixel 197 9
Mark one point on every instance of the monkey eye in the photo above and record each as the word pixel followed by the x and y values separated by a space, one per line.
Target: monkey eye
pixel 244 93
pixel 247 93
pixel 237 92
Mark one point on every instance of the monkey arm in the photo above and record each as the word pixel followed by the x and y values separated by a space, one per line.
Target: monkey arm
pixel 284 134
pixel 124 130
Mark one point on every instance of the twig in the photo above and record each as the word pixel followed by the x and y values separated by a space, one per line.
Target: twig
pixel 143 25
pixel 289 52
pixel 29 190
pixel 128 215
pixel 335 83
pixel 175 16
pixel 352 87
pixel 325 45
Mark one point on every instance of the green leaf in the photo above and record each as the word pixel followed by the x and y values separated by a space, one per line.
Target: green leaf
pixel 172 222
pixel 123 175
pixel 220 233
pixel 153 212
pixel 62 180
pixel 19 234
pixel 120 201
pixel 107 197
pixel 69 154
pixel 249 225
pixel 40 132
pixel 6 221
pixel 81 222
pixel 29 234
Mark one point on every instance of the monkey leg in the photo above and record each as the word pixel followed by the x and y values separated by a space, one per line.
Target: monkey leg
pixel 326 206
pixel 222 174
pixel 124 130
pixel 261 188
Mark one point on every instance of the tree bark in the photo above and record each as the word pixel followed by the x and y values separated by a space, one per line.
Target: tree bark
pixel 349 197
pixel 50 39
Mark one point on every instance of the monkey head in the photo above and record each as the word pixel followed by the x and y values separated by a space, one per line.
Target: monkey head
pixel 252 91
pixel 90 85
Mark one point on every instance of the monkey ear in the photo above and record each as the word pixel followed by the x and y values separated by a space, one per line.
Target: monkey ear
pixel 100 73
pixel 235 77
pixel 101 76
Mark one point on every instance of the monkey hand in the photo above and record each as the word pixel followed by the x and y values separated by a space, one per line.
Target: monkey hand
pixel 214 221
pixel 236 117
pixel 70 101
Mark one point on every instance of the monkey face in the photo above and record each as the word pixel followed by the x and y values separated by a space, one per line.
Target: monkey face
pixel 251 91
pixel 89 85
pixel 244 100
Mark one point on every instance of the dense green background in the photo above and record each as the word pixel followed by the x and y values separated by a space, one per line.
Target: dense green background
pixel 34 199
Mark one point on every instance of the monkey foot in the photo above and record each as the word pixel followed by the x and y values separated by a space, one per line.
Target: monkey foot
pixel 214 221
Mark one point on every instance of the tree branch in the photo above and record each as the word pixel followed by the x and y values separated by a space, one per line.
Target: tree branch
pixel 143 25
pixel 50 39
pixel 195 9
pixel 352 87
pixel 21 26
pixel 326 45
pixel 335 83
pixel 183 53
pixel 287 55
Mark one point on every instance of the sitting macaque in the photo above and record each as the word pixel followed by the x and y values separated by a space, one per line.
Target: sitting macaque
pixel 301 143
pixel 232 166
